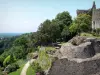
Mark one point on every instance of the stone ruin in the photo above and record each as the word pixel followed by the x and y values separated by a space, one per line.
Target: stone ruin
pixel 80 56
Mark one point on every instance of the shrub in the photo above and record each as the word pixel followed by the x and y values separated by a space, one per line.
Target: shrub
pixel 43 62
pixel 11 68
pixel 36 67
pixel 6 61
pixel 98 30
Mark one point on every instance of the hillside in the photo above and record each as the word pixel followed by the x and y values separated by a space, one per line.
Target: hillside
pixel 3 35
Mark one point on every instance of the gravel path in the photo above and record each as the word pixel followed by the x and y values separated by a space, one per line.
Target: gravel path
pixel 24 70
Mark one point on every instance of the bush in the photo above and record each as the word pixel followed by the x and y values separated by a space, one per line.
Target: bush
pixel 6 61
pixel 36 67
pixel 11 68
pixel 1 69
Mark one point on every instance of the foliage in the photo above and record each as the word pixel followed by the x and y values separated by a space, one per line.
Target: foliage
pixel 43 62
pixel 8 60
pixel 64 18
pixel 50 31
pixel 1 73
pixel 6 43
pixel 86 34
pixel 12 67
pixel 90 35
pixel 73 29
pixel 83 23
pixel 65 33
pixel 18 71
pixel 54 31
pixel 36 67
pixel 19 51
pixel 21 64
pixel 64 21
pixel 98 30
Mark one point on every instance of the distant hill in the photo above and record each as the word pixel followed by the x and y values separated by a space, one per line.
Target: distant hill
pixel 2 35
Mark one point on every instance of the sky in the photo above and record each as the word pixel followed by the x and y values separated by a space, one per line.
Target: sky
pixel 23 16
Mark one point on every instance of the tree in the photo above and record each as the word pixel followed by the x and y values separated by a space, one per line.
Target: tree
pixel 44 27
pixel 43 32
pixel 65 33
pixel 54 31
pixel 73 29
pixel 83 22
pixel 98 30
pixel 6 61
pixel 63 19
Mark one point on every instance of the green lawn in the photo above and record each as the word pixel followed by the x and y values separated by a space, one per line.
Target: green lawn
pixel 30 71
pixel 21 64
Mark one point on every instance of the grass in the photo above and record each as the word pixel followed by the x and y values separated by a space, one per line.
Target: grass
pixel 21 64
pixel 30 71
pixel 49 48
pixel 90 35
pixel 86 34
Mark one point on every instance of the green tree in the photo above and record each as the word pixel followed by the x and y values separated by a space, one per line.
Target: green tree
pixel 83 23
pixel 65 33
pixel 43 31
pixel 6 61
pixel 54 31
pixel 73 29
pixel 63 19
pixel 98 30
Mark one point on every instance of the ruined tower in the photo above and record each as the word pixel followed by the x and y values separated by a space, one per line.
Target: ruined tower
pixel 95 15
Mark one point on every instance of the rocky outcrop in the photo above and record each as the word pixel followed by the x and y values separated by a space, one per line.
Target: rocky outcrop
pixel 84 48
pixel 73 67
pixel 80 56
pixel 82 51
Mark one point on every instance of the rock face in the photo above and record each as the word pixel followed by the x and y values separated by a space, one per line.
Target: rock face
pixel 68 67
pixel 82 51
pixel 84 48
pixel 80 58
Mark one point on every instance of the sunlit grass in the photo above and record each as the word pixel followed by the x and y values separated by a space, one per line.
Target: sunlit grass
pixel 89 35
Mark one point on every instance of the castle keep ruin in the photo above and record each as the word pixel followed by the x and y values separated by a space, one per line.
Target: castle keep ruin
pixel 95 13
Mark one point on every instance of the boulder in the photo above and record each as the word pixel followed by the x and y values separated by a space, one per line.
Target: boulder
pixel 64 66
pixel 80 56
pixel 84 50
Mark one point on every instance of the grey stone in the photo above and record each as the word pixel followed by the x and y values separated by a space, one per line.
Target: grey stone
pixel 69 67
pixel 84 50
pixel 80 59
